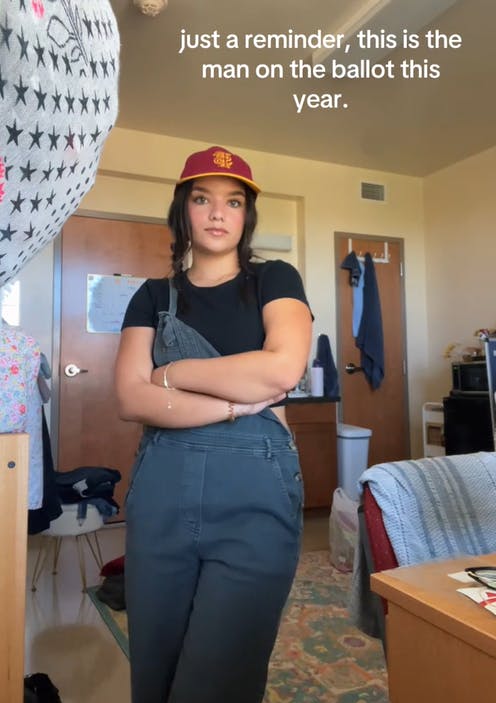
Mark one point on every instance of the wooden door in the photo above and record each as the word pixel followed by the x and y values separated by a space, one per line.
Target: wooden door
pixel 90 432
pixel 384 410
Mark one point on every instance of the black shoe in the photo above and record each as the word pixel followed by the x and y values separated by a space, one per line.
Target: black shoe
pixel 39 689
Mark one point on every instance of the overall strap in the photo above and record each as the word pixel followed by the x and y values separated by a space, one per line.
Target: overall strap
pixel 172 297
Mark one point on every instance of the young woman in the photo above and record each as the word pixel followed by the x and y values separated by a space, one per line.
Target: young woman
pixel 215 503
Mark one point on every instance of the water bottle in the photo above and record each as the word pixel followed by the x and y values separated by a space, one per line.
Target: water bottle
pixel 317 379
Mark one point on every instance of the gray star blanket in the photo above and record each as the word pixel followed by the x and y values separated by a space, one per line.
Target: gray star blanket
pixel 59 64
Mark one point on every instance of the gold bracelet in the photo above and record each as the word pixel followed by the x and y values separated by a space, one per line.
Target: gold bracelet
pixel 230 412
pixel 166 385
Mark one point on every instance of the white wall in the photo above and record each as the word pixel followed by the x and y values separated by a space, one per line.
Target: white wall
pixel 460 222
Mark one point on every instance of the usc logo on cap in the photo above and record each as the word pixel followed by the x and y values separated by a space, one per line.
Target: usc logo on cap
pixel 223 159
pixel 217 161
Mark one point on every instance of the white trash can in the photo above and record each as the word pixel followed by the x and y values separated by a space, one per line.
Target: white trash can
pixel 353 455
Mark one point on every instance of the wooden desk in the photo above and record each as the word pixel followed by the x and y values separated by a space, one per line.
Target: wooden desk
pixel 441 646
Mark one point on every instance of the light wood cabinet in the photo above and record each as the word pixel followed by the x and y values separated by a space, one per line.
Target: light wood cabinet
pixel 314 428
pixel 14 466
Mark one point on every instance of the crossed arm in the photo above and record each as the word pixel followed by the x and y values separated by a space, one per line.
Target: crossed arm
pixel 203 387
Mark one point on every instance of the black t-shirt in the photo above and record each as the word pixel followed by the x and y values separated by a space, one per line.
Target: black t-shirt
pixel 229 320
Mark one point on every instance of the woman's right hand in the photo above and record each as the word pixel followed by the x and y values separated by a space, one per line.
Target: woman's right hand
pixel 241 409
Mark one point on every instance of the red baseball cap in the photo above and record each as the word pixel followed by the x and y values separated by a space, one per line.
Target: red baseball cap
pixel 217 161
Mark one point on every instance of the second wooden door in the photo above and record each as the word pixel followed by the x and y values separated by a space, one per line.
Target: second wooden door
pixel 384 410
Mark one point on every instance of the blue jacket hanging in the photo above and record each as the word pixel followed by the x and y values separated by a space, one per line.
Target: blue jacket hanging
pixel 370 338
pixel 355 267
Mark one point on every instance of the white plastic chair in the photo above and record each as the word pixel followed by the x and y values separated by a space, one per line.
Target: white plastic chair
pixel 68 525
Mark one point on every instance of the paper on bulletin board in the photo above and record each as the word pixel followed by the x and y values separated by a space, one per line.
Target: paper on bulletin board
pixel 107 298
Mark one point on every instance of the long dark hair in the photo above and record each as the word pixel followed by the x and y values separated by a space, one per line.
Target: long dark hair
pixel 180 225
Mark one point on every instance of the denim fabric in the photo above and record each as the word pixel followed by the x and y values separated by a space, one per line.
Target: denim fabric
pixel 214 519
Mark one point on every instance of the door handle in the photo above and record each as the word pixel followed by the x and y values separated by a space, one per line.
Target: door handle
pixel 351 368
pixel 72 370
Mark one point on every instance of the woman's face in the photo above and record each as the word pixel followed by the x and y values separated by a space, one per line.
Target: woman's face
pixel 217 210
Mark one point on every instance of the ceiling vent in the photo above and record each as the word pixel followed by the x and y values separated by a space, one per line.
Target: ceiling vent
pixel 373 191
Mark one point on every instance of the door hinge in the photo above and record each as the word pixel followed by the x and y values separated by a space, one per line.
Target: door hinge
pixel 401 269
pixel 404 367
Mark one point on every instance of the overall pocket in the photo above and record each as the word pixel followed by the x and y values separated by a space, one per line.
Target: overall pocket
pixel 288 471
pixel 136 469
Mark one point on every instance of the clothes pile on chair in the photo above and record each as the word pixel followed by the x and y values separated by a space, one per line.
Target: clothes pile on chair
pixel 86 496
pixel 89 485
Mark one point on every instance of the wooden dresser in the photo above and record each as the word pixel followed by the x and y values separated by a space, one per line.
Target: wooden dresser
pixel 313 423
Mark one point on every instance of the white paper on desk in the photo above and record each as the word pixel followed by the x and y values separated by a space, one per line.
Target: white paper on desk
pixel 461 576
pixel 483 596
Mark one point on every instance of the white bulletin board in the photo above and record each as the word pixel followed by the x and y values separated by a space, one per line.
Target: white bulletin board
pixel 107 297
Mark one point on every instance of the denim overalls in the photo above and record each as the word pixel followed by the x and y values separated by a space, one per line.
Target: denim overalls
pixel 213 534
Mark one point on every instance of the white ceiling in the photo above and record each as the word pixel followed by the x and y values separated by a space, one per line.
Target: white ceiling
pixel 405 126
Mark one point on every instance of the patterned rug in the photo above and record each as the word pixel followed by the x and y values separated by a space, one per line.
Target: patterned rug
pixel 319 656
